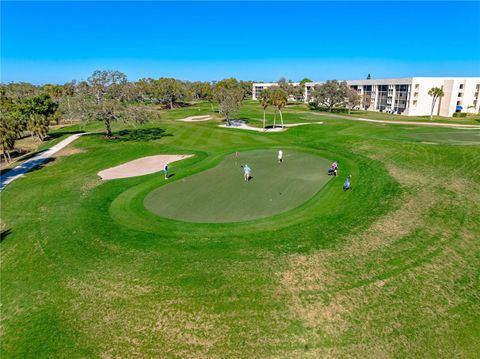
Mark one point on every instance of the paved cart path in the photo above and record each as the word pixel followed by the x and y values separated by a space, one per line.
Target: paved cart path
pixel 35 161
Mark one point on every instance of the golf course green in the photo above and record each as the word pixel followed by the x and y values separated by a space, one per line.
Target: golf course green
pixel 220 194
pixel 204 265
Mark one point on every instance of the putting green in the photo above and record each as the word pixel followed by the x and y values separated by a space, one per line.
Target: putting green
pixel 220 194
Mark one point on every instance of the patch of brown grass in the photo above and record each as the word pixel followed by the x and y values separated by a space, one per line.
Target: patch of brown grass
pixel 342 295
pixel 68 151
pixel 110 308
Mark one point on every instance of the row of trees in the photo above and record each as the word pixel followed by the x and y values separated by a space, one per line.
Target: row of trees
pixel 105 96
pixel 292 90
pixel 169 91
pixel 24 114
pixel 277 98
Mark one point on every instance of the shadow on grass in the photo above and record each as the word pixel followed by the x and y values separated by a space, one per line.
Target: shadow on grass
pixel 21 159
pixel 45 162
pixel 54 135
pixel 144 134
pixel 4 234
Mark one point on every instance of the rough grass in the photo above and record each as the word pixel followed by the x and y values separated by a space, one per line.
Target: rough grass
pixel 389 269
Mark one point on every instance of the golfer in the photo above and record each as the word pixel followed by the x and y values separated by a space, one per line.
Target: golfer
pixel 165 169
pixel 346 185
pixel 246 173
pixel 280 156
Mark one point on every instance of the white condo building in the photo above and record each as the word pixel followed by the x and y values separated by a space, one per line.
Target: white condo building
pixel 409 96
pixel 258 87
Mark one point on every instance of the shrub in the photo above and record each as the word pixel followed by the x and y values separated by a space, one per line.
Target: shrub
pixel 460 114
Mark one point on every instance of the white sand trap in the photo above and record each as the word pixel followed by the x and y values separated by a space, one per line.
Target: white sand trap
pixel 276 129
pixel 302 123
pixel 140 167
pixel 196 118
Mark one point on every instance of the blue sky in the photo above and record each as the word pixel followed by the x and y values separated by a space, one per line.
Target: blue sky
pixel 54 42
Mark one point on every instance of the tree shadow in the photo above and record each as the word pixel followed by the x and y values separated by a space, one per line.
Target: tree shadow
pixel 41 163
pixel 54 135
pixel 4 233
pixel 23 159
pixel 144 134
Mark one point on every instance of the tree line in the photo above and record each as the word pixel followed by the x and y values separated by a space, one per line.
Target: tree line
pixel 105 96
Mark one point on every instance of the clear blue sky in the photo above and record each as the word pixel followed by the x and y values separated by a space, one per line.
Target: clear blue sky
pixel 54 42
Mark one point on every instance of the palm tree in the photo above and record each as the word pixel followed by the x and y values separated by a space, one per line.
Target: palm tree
pixel 279 100
pixel 264 102
pixel 11 127
pixel 435 92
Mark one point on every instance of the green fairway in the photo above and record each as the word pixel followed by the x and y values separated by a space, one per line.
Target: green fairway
pixel 389 269
pixel 465 137
pixel 220 194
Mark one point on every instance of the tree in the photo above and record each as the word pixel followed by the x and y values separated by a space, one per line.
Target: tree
pixel 229 94
pixel 38 111
pixel 435 92
pixel 247 88
pixel 66 109
pixel 55 91
pixel 105 97
pixel 330 94
pixel 12 125
pixel 304 81
pixel 167 90
pixel 278 98
pixel 201 90
pixel 366 101
pixel 264 102
pixel 353 99
pixel 283 84
pixel 20 90
pixel 145 87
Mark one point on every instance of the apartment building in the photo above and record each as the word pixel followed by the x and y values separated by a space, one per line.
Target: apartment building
pixel 258 87
pixel 409 96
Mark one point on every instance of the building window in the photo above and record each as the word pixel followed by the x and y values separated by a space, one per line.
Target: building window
pixel 459 94
pixel 417 86
pixel 382 97
pixel 461 86
pixel 400 99
pixel 458 103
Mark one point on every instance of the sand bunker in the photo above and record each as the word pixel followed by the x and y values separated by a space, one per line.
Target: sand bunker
pixel 196 118
pixel 302 123
pixel 276 129
pixel 140 167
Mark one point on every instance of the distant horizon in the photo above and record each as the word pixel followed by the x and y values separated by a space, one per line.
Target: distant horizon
pixel 56 42
pixel 254 81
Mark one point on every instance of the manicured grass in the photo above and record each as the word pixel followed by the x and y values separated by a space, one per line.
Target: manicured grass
pixel 470 119
pixel 220 194
pixel 467 137
pixel 389 269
